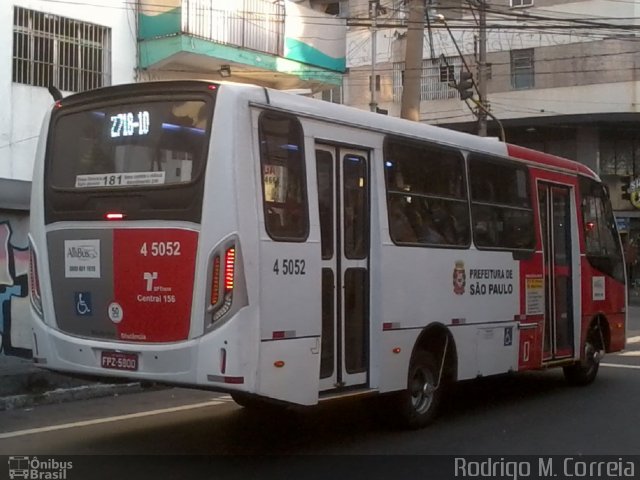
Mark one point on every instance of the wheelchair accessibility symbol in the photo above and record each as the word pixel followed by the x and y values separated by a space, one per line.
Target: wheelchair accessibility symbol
pixel 508 336
pixel 83 303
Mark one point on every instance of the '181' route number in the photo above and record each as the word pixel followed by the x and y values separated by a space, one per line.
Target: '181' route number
pixel 289 266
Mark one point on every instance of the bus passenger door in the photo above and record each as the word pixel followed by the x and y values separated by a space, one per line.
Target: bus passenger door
pixel 343 197
pixel 556 223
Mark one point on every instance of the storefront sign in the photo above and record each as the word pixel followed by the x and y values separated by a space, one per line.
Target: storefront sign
pixel 623 224
pixel 634 192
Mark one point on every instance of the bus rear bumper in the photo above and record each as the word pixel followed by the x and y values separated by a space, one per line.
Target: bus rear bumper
pixel 169 363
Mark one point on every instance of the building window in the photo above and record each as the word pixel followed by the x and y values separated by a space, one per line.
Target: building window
pixel 521 3
pixel 377 83
pixel 619 152
pixel 522 71
pixel 59 51
pixel 436 79
pixel 340 9
pixel 447 73
pixel 333 95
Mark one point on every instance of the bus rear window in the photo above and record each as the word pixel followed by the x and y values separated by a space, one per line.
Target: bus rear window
pixel 129 145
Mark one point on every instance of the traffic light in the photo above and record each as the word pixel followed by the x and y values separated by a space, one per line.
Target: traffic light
pixel 465 85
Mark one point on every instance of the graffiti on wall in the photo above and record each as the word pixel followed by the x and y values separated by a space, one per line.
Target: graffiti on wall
pixel 14 288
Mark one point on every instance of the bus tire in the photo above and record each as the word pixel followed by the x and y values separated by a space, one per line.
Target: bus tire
pixel 585 371
pixel 418 404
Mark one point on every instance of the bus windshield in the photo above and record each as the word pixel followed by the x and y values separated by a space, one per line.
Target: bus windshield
pixel 133 144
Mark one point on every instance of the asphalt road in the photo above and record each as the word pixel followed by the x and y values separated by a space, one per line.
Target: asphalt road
pixel 535 413
pixel 524 414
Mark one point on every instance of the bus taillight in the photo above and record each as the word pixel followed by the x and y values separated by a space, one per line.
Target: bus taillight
pixel 215 281
pixel 229 269
pixel 228 279
pixel 34 283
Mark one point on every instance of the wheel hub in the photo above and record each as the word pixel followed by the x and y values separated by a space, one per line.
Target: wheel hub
pixel 422 391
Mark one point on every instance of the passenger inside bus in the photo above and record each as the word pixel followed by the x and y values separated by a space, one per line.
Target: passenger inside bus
pixel 400 227
pixel 443 224
pixel 429 233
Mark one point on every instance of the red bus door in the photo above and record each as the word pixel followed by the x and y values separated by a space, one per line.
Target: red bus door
pixel 554 202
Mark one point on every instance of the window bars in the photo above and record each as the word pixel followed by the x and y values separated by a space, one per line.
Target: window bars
pixel 436 79
pixel 63 52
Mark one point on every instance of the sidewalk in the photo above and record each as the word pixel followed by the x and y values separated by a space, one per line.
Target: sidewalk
pixel 23 385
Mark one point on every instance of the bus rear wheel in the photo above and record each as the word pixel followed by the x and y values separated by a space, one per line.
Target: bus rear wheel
pixel 418 404
pixel 585 371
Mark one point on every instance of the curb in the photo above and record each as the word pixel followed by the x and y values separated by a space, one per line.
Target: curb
pixel 60 395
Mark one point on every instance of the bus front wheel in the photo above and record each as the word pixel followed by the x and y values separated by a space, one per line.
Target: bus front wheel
pixel 418 404
pixel 585 371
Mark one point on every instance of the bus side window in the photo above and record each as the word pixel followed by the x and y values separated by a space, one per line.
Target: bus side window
pixel 426 194
pixel 400 228
pixel 283 177
pixel 500 204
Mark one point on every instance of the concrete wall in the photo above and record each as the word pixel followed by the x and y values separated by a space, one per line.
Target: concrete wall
pixel 15 337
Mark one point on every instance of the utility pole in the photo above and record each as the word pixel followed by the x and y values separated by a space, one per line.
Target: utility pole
pixel 482 68
pixel 410 107
pixel 373 13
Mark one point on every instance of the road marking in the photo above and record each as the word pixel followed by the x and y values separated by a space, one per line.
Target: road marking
pixel 615 365
pixel 629 353
pixel 97 421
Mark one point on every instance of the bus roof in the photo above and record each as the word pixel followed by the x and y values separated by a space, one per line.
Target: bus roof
pixel 465 141
pixel 312 107
pixel 547 159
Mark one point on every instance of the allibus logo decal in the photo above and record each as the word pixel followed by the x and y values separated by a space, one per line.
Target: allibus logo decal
pixel 82 258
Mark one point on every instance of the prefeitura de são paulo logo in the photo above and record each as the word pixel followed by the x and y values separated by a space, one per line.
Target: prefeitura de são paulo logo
pixel 459 278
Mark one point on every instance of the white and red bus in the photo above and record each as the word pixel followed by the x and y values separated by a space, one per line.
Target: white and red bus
pixel 279 248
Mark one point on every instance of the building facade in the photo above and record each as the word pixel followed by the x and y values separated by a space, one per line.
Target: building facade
pixel 562 77
pixel 287 45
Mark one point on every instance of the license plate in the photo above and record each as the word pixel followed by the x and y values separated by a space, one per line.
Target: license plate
pixel 120 361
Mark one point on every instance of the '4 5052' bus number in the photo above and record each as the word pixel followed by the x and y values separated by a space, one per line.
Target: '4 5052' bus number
pixel 289 266
pixel 160 249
